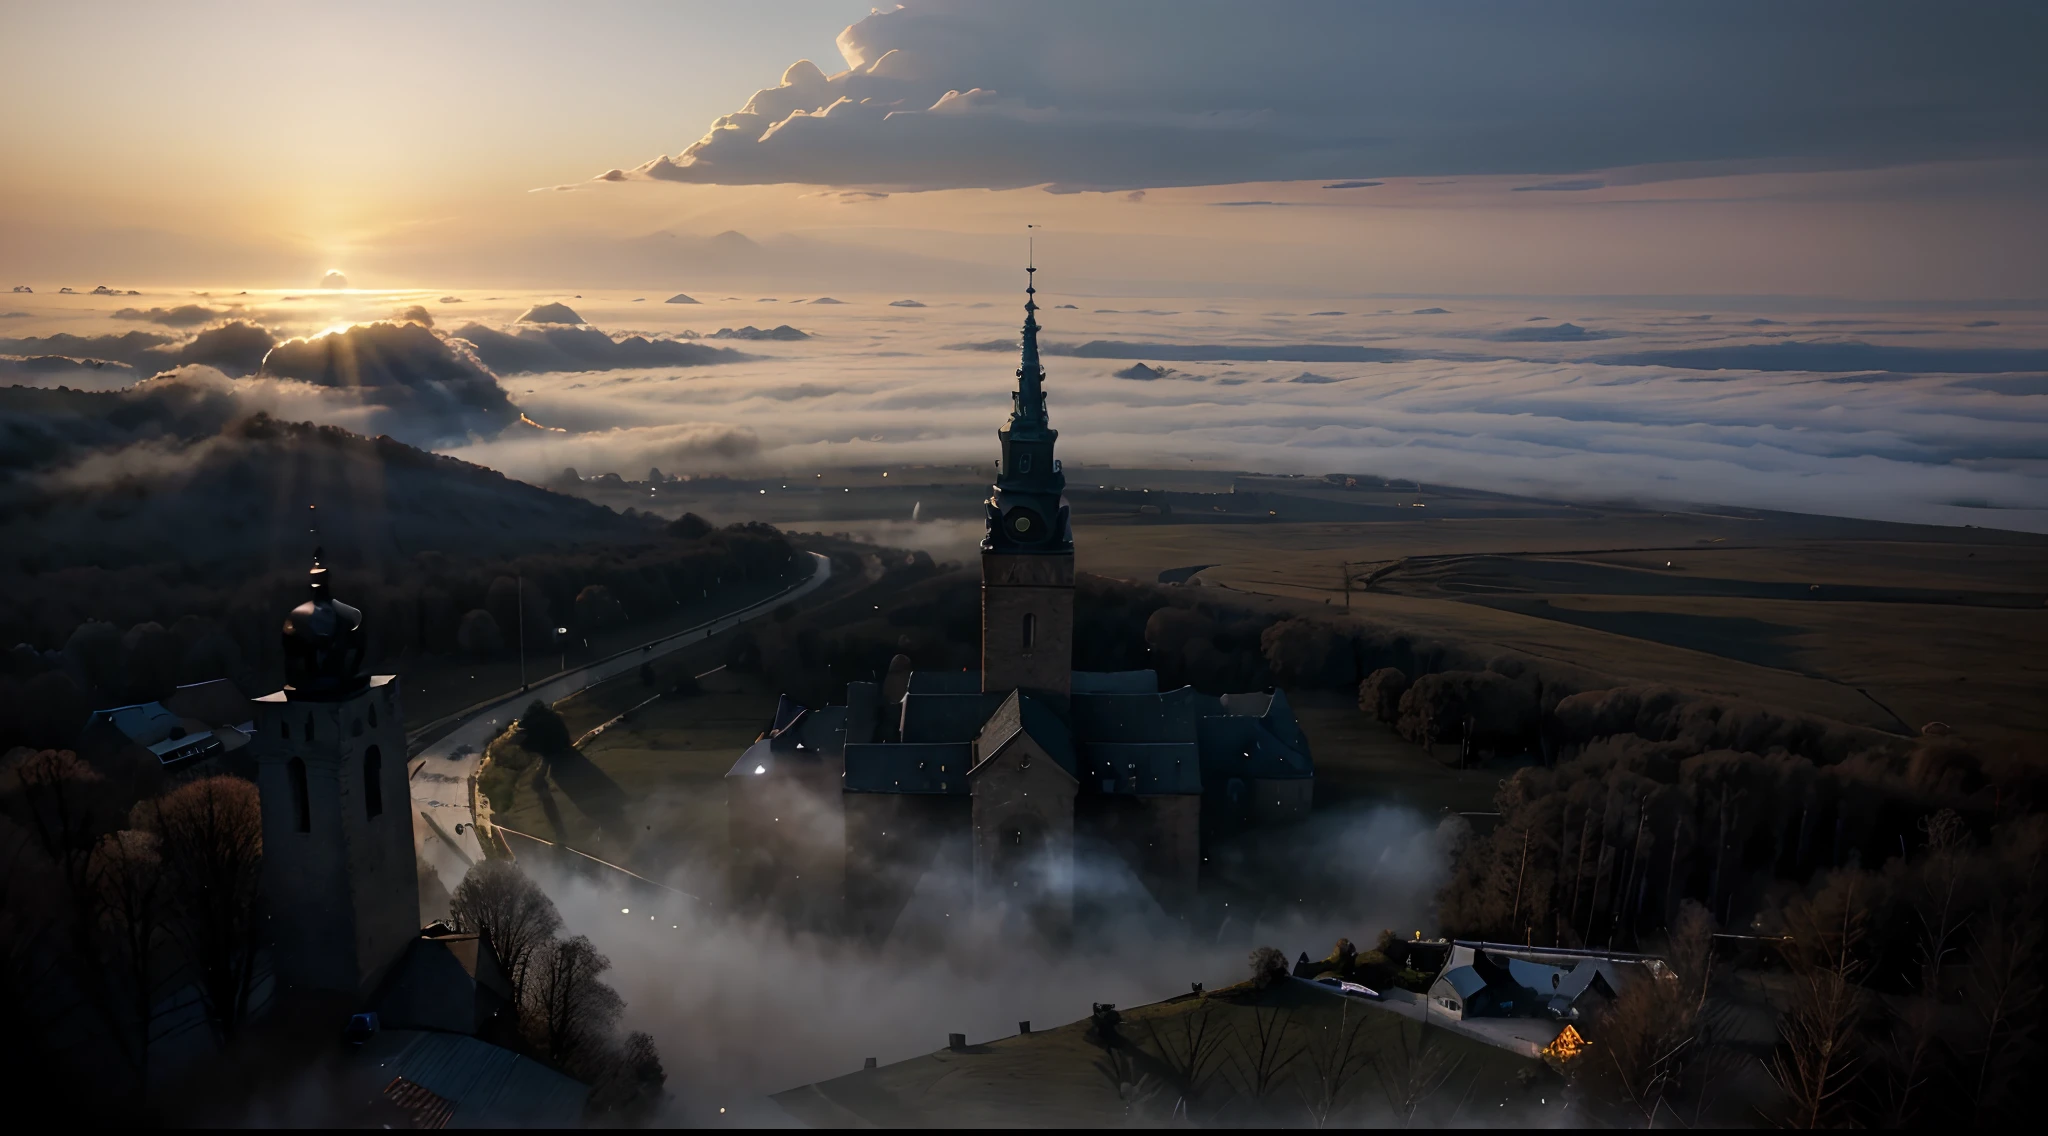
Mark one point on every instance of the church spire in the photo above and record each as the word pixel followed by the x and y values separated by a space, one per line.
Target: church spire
pixel 1029 401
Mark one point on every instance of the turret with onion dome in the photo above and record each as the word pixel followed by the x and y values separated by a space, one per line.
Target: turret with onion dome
pixel 323 644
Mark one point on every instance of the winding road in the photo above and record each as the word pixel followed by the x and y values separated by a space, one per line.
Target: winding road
pixel 444 820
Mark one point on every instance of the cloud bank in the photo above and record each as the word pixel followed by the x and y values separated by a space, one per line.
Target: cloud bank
pixel 435 386
pixel 1080 95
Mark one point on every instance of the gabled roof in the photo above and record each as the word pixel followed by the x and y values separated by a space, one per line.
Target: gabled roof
pixel 936 768
pixel 1022 714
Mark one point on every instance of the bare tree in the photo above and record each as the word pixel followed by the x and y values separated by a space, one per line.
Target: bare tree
pixel 1336 1055
pixel 1940 899
pixel 209 834
pixel 2002 992
pixel 572 1012
pixel 62 798
pixel 1265 1056
pixel 631 1084
pixel 1189 1049
pixel 130 895
pixel 1817 1053
pixel 1135 1088
pixel 498 901
pixel 1413 1069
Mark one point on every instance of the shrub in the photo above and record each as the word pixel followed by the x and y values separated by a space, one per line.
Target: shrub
pixel 542 730
pixel 1268 966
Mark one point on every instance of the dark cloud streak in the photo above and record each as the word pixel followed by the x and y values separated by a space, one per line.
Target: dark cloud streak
pixel 1202 92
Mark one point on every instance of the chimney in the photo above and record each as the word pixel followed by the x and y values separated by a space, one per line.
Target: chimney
pixel 867 1063
pixel 1196 988
pixel 956 1042
pixel 1023 1027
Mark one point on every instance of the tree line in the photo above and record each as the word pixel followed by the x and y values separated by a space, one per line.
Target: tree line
pixel 435 604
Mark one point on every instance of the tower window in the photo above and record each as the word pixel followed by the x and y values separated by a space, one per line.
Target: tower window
pixel 1030 635
pixel 302 807
pixel 284 730
pixel 1024 462
pixel 309 727
pixel 373 783
pixel 373 716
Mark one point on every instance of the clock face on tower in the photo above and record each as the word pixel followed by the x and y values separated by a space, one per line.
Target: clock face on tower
pixel 1025 524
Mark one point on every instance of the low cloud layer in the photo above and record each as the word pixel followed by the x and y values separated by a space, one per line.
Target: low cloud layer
pixel 234 348
pixel 1932 414
pixel 952 94
pixel 437 387
pixel 562 347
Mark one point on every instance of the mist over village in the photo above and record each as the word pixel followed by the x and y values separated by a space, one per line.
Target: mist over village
pixel 1069 565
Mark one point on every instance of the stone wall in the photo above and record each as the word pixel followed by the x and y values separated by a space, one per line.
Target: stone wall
pixel 1013 586
pixel 1024 834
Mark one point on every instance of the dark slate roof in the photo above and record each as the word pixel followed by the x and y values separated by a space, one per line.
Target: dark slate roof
pixel 945 682
pixel 489 1087
pixel 1169 716
pixel 756 759
pixel 1140 769
pixel 1237 746
pixel 1020 712
pixel 908 768
pixel 946 717
pixel 1116 682
pixel 808 737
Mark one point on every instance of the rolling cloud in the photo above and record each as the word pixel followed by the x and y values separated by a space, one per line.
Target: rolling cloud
pixel 953 94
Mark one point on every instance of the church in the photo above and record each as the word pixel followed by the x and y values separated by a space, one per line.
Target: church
pixel 1010 776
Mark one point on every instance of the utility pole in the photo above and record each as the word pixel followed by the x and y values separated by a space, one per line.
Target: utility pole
pixel 522 631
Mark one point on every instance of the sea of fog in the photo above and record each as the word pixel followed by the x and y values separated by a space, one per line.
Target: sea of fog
pixel 1935 413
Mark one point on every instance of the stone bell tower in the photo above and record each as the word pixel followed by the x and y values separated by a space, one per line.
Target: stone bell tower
pixel 339 875
pixel 1027 554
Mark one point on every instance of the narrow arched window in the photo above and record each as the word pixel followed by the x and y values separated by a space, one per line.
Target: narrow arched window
pixel 373 717
pixel 1024 462
pixel 302 806
pixel 284 730
pixel 373 782
pixel 1030 630
pixel 309 727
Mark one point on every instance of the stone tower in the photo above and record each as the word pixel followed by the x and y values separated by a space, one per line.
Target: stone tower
pixel 339 873
pixel 1027 556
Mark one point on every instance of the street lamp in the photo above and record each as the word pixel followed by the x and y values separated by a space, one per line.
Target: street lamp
pixel 562 646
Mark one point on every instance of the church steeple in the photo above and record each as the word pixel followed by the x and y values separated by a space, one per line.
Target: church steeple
pixel 1028 512
pixel 1027 557
pixel 1029 401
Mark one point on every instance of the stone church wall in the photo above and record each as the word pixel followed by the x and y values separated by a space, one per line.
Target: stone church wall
pixel 1024 834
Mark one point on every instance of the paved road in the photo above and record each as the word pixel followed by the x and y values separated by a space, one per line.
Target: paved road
pixel 441 771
